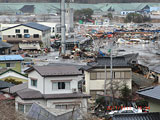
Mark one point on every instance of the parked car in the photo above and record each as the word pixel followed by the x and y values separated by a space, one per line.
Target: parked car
pixel 126 110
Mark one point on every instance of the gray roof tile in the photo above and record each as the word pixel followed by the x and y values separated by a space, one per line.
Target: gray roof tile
pixel 57 70
pixel 37 26
pixel 150 92
pixel 137 116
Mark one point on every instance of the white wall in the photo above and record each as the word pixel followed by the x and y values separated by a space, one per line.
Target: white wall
pixel 12 31
pixel 12 74
pixel 73 84
pixel 51 103
pixel 44 85
pixel 36 75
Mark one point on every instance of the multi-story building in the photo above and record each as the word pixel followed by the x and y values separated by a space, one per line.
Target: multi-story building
pixel 27 36
pixel 52 86
pixel 95 75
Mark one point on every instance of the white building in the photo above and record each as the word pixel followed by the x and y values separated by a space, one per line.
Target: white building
pixel 95 75
pixel 126 12
pixel 27 36
pixel 54 86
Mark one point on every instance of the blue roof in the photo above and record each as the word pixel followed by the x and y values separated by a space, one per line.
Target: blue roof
pixel 11 58
pixel 37 26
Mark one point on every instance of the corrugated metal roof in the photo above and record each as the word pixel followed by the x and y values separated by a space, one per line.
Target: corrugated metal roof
pixel 11 58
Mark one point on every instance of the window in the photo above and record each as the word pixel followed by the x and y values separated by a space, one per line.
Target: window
pixel 36 36
pixel 9 36
pixel 58 29
pixel 60 85
pixel 20 107
pixel 26 35
pixel 19 35
pixel 53 30
pixel 127 74
pixel 67 106
pixel 10 65
pixel 25 30
pixel 115 75
pixel 33 82
pixel 93 75
pixel 13 36
pixel 27 107
pixel 17 30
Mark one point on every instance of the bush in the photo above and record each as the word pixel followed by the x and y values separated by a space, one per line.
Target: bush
pixel 13 81
pixel 136 18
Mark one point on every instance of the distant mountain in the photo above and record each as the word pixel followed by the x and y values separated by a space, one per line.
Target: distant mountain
pixel 82 1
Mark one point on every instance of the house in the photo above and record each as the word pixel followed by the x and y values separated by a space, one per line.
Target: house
pixel 52 86
pixel 4 48
pixel 155 71
pixel 14 75
pixel 152 96
pixel 28 36
pixel 11 62
pixel 37 110
pixel 95 75
pixel 137 116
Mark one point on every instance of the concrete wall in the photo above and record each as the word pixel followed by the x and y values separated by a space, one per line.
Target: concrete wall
pixel 154 106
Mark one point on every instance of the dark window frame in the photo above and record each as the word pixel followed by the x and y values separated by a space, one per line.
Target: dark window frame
pixel 17 31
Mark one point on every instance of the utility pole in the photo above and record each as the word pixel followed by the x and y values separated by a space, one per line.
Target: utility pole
pixel 105 82
pixel 63 39
pixel 111 72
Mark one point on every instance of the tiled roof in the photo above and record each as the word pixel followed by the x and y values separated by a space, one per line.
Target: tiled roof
pixel 27 9
pixel 100 62
pixel 4 44
pixel 37 26
pixel 56 70
pixel 66 96
pixel 16 88
pixel 137 116
pixel 150 92
pixel 28 94
pixel 11 58
pixel 155 69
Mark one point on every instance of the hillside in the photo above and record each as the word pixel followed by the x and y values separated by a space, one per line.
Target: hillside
pixel 82 1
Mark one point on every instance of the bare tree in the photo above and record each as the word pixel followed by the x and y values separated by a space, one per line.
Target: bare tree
pixel 8 112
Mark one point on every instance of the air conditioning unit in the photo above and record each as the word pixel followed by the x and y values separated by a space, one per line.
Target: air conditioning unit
pixel 74 90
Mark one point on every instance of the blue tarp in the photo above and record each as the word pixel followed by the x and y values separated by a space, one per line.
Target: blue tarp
pixel 11 57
